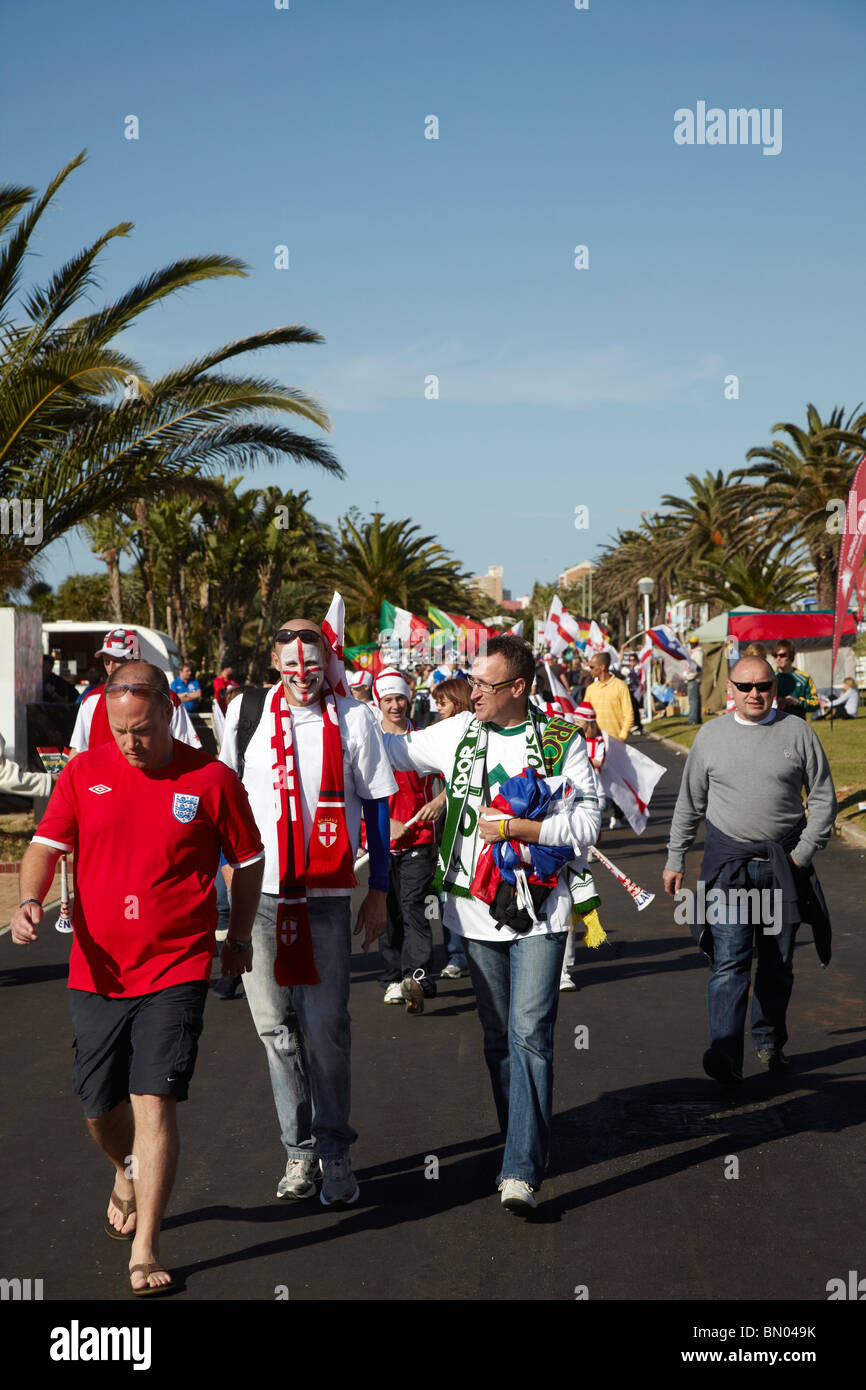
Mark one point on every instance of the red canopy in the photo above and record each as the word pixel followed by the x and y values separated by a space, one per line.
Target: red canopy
pixel 808 631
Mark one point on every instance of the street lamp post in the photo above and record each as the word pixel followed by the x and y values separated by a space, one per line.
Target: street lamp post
pixel 645 587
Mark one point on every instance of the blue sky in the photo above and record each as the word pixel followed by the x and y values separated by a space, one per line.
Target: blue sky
pixel 602 387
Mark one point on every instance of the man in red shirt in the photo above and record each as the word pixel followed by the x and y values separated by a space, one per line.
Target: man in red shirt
pixel 223 685
pixel 147 817
pixel 406 945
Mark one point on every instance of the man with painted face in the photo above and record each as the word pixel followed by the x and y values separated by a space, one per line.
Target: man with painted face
pixel 312 762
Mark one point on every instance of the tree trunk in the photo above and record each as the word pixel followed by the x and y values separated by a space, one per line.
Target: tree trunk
pixel 824 559
pixel 111 559
pixel 204 597
pixel 144 563
pixel 180 612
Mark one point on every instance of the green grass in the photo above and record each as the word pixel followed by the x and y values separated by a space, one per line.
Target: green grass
pixel 844 743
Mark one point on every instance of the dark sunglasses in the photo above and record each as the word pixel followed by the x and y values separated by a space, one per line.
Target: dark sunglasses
pixel 783 656
pixel 745 686
pixel 303 634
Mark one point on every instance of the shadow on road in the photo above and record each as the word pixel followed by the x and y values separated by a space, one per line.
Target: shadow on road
pixel 617 1125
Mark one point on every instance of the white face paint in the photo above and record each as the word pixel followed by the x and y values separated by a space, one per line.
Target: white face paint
pixel 302 665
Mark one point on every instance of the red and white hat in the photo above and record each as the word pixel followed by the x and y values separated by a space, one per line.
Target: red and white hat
pixel 390 682
pixel 585 711
pixel 121 643
pixel 358 678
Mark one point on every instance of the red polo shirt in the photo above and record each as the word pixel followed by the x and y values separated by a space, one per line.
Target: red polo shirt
pixel 147 850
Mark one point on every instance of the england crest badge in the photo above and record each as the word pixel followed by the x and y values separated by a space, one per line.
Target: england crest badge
pixel 184 807
pixel 327 833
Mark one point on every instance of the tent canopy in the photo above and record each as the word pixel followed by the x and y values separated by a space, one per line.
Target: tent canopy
pixel 716 630
pixel 808 631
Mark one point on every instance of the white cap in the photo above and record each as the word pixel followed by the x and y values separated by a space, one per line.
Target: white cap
pixel 359 678
pixel 121 643
pixel 390 682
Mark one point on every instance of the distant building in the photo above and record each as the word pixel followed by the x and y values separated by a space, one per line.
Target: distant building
pixel 576 574
pixel 491 583
pixel 514 605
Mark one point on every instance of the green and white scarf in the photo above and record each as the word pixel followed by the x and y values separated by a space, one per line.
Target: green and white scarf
pixel 547 742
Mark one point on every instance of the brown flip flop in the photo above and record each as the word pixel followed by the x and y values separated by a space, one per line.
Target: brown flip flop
pixel 126 1207
pixel 154 1267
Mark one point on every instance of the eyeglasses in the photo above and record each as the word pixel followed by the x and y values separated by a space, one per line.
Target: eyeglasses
pixel 486 688
pixel 746 686
pixel 303 634
pixel 139 689
pixel 780 656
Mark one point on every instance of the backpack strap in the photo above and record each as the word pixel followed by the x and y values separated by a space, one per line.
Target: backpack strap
pixel 252 704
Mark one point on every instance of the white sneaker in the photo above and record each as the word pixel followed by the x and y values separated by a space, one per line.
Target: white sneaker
pixel 517 1196
pixel 339 1183
pixel 614 823
pixel 451 972
pixel 566 982
pixel 299 1180
pixel 394 993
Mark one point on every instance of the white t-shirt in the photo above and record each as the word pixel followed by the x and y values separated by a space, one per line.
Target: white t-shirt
pixel 181 725
pixel 367 774
pixel 577 823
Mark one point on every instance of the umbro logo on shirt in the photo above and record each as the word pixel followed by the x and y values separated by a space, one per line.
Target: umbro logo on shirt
pixel 99 788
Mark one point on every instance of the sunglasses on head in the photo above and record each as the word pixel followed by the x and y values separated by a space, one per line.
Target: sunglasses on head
pixel 303 634
pixel 137 689
pixel 745 686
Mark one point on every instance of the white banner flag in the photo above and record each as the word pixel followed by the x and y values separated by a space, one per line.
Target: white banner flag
pixel 629 778
pixel 562 629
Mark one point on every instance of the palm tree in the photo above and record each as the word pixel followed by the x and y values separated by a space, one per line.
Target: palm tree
pixel 377 561
pixel 751 578
pixel 797 482
pixel 67 437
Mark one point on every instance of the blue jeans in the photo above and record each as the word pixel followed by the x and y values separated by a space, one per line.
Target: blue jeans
pixel 730 973
pixel 305 1030
pixel 454 947
pixel 517 988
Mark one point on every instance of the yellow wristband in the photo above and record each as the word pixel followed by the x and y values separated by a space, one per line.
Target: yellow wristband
pixel 503 825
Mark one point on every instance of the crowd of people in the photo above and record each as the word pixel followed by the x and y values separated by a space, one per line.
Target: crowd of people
pixel 474 796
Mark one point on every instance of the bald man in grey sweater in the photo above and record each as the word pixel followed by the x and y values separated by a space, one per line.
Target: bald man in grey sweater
pixel 745 776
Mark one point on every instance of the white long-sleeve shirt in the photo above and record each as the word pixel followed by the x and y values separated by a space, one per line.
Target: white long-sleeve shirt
pixel 14 781
pixel 575 821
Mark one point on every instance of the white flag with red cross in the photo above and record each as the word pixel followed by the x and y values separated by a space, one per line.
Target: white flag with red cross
pixel 562 629
pixel 333 627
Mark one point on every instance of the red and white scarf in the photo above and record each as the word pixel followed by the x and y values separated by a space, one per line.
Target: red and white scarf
pixel 330 860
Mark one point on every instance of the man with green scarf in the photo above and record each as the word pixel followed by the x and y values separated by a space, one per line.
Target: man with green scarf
pixel 515 973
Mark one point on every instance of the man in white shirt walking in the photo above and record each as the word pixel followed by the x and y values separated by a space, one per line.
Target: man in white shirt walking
pixel 309 762
pixel 515 970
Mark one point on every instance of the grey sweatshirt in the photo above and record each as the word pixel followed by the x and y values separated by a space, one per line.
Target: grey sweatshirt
pixel 748 780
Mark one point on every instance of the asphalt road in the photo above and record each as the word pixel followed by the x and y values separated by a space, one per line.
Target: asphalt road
pixel 637 1204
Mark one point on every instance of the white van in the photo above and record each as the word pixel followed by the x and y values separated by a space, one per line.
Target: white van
pixel 75 645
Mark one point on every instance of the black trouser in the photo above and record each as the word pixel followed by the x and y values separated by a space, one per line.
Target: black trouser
pixel 406 945
pixel 636 710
